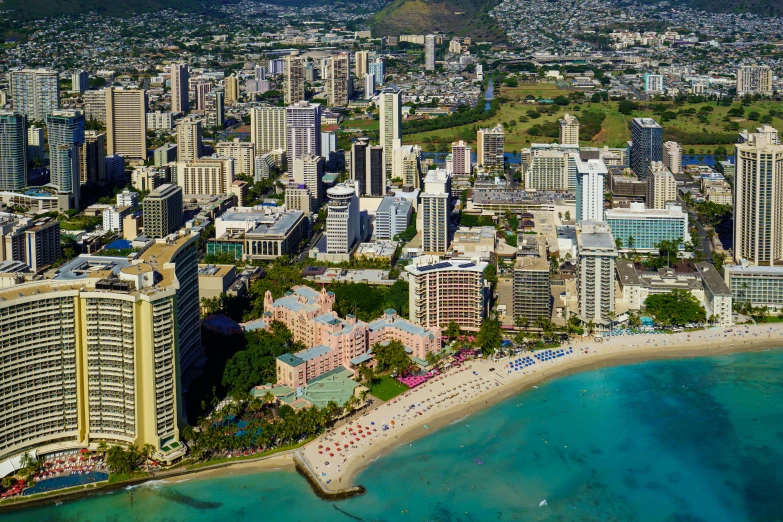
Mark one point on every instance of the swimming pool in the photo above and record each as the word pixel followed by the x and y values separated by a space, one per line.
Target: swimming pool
pixel 67 481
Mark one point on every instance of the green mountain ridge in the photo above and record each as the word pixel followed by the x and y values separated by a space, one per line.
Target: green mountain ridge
pixel 759 7
pixel 33 9
pixel 458 17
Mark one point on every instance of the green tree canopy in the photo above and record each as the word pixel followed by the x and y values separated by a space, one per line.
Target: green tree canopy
pixel 677 308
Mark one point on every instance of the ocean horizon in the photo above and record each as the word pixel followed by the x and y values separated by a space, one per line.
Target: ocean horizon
pixel 681 440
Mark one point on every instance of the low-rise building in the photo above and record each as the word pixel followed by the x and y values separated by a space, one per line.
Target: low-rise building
pixel 258 234
pixel 642 229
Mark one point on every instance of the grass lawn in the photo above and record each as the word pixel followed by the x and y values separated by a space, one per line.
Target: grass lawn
pixel 363 123
pixel 387 388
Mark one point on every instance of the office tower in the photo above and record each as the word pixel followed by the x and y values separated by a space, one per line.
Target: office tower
pixel 231 89
pixel 207 175
pixel 758 201
pixel 653 83
pixel 338 86
pixel 35 93
pixel 569 130
pixel 406 164
pixel 429 52
pixel 260 73
pixel 532 294
pixel 661 186
pixel 92 158
pixel 126 123
pixel 66 135
pixel 189 144
pixel 390 109
pixel 359 161
pixel 179 88
pixel 461 159
pixel 392 217
pixel 294 83
pixel 36 150
pixel 309 171
pixel 596 256
pixel 376 171
pixel 165 154
pixel 13 151
pixel 672 156
pixel 202 89
pixel 303 130
pixel 378 70
pixel 80 81
pixel 447 291
pixel 268 128
pixel 435 211
pixel 159 121
pixel 362 65
pixel 590 181
pixel 646 145
pixel 754 79
pixel 162 211
pixel 369 85
pixel 115 167
pixel 117 370
pixel 343 228
pixel 214 110
pixel 328 143
pixel 490 147
pixel 95 105
pixel 642 229
pixel 243 154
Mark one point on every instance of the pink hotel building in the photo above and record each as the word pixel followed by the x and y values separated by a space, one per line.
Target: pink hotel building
pixel 334 341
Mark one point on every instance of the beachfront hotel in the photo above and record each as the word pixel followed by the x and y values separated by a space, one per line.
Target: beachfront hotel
pixel 595 272
pixel 95 352
pixel 445 291
pixel 335 343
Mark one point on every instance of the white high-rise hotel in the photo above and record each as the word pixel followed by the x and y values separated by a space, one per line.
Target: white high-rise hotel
pixel 590 180
pixel 390 101
pixel 595 272
pixel 434 220
pixel 342 219
pixel 303 130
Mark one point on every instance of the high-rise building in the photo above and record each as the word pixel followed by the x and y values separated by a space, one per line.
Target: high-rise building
pixel 532 295
pixel 447 291
pixel 653 83
pixel 231 89
pixel 115 167
pixel 596 255
pixel 165 154
pixel 754 79
pixel 429 52
pixel 162 211
pixel 13 151
pixel 243 154
pixel 36 149
pixel 294 81
pixel 207 175
pixel 490 148
pixel 66 136
pixel 378 70
pixel 460 159
pixel 328 142
pixel 36 243
pixel 117 369
pixel 92 158
pixel 392 217
pixel 758 201
pixel 309 171
pixel 80 81
pixel 590 181
pixel 343 227
pixel 434 209
pixel 126 123
pixel 390 109
pixel 646 145
pixel 376 171
pixel 260 73
pixel 35 92
pixel 214 110
pixel 201 91
pixel 338 86
pixel 362 63
pixel 268 128
pixel 303 130
pixel 95 105
pixel 661 186
pixel 406 165
pixel 160 121
pixel 359 161
pixel 189 143
pixel 369 85
pixel 179 88
pixel 672 156
pixel 548 170
pixel 569 130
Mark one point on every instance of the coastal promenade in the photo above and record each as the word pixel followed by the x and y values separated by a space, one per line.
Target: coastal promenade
pixel 336 457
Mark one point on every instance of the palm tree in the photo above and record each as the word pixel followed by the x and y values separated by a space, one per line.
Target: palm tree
pixel 363 397
pixel 590 327
pixel 349 404
pixel 611 316
pixel 103 447
pixel 148 450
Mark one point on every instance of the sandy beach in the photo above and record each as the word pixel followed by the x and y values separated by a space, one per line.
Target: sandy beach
pixel 479 383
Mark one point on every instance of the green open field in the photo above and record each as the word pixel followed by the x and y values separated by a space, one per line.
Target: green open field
pixel 387 388
pixel 689 130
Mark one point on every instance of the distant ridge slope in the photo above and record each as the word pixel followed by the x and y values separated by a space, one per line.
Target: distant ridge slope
pixel 458 17
pixel 43 8
pixel 759 7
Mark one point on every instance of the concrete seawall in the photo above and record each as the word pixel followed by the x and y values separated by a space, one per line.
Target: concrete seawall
pixel 319 488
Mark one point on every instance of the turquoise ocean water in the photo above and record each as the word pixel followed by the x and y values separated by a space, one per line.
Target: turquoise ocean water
pixel 680 441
